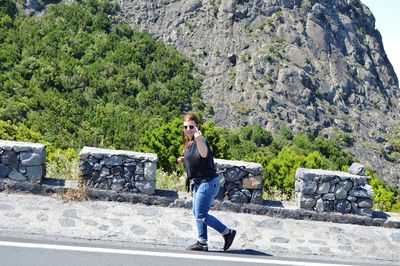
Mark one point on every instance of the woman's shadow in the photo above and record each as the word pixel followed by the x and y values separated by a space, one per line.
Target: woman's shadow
pixel 242 252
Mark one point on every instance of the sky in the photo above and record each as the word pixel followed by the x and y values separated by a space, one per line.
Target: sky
pixel 387 17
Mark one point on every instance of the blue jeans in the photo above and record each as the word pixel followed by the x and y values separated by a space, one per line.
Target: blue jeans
pixel 203 197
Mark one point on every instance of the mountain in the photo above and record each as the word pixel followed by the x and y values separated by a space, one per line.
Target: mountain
pixel 315 66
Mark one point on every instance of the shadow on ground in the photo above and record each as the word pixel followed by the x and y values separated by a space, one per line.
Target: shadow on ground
pixel 378 214
pixel 167 193
pixel 242 252
pixel 273 203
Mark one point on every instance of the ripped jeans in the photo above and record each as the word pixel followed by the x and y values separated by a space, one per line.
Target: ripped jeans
pixel 203 196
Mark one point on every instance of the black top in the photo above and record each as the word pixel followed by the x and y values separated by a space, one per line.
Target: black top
pixel 197 168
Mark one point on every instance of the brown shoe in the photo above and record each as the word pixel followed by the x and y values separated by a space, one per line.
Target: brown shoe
pixel 198 247
pixel 229 239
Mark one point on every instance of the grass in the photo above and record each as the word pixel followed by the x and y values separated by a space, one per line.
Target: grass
pixel 275 194
pixel 69 171
pixel 171 181
pixel 63 164
pixel 73 194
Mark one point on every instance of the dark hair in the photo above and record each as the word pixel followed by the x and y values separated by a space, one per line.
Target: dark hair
pixel 189 117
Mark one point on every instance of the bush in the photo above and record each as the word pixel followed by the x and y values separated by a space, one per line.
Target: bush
pixel 386 197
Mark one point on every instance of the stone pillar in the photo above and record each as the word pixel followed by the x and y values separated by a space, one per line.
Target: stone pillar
pixel 22 161
pixel 241 182
pixel 119 170
pixel 334 191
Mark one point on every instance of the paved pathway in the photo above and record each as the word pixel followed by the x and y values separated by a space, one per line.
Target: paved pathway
pixel 175 228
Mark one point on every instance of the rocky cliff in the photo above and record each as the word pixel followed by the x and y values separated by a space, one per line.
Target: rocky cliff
pixel 312 65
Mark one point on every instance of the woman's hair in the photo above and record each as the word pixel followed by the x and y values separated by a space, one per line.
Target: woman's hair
pixel 189 117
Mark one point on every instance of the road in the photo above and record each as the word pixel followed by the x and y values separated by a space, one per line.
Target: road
pixel 19 251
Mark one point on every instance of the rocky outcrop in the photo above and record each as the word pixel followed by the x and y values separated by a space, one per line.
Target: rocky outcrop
pixel 315 66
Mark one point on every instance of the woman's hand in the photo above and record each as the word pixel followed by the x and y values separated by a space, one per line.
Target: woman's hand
pixel 181 160
pixel 200 144
pixel 197 133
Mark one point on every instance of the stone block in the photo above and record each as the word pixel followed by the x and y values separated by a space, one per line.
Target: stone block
pixel 34 173
pixel 329 196
pixel 19 148
pixel 97 167
pixel 252 168
pixel 4 170
pixel 364 202
pixel 357 169
pixel 139 177
pixel 319 207
pixel 139 170
pixel 253 182
pixel 10 159
pixel 117 170
pixel 146 186
pixel 327 177
pixel 92 160
pixel 307 202
pixel 257 197
pixel 342 206
pixel 29 159
pixel 309 187
pixel 342 188
pixel 150 170
pixel 15 175
pixel 234 174
pixel 302 174
pixel 129 172
pixel 298 184
pixel 113 161
pixel 323 188
pixel 362 192
pixel 246 192
pixel 329 205
pixel 85 168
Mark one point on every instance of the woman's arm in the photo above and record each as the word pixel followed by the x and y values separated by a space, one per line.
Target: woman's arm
pixel 201 146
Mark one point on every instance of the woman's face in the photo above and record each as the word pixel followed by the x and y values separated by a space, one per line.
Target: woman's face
pixel 189 128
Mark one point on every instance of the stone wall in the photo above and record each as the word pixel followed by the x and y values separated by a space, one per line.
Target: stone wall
pixel 22 161
pixel 334 191
pixel 241 182
pixel 118 170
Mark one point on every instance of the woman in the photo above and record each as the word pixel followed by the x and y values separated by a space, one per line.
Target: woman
pixel 200 168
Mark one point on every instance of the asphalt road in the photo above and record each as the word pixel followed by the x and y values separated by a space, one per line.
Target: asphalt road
pixel 19 251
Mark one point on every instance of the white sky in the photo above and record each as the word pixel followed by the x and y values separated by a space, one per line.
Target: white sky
pixel 387 16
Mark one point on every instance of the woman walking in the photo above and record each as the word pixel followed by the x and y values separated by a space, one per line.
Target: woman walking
pixel 201 169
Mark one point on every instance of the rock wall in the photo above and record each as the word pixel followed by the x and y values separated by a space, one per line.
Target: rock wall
pixel 22 161
pixel 118 170
pixel 126 171
pixel 241 182
pixel 334 191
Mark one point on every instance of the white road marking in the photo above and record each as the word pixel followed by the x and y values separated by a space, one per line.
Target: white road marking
pixel 203 256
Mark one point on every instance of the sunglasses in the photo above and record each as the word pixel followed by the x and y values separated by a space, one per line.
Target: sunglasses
pixel 190 126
